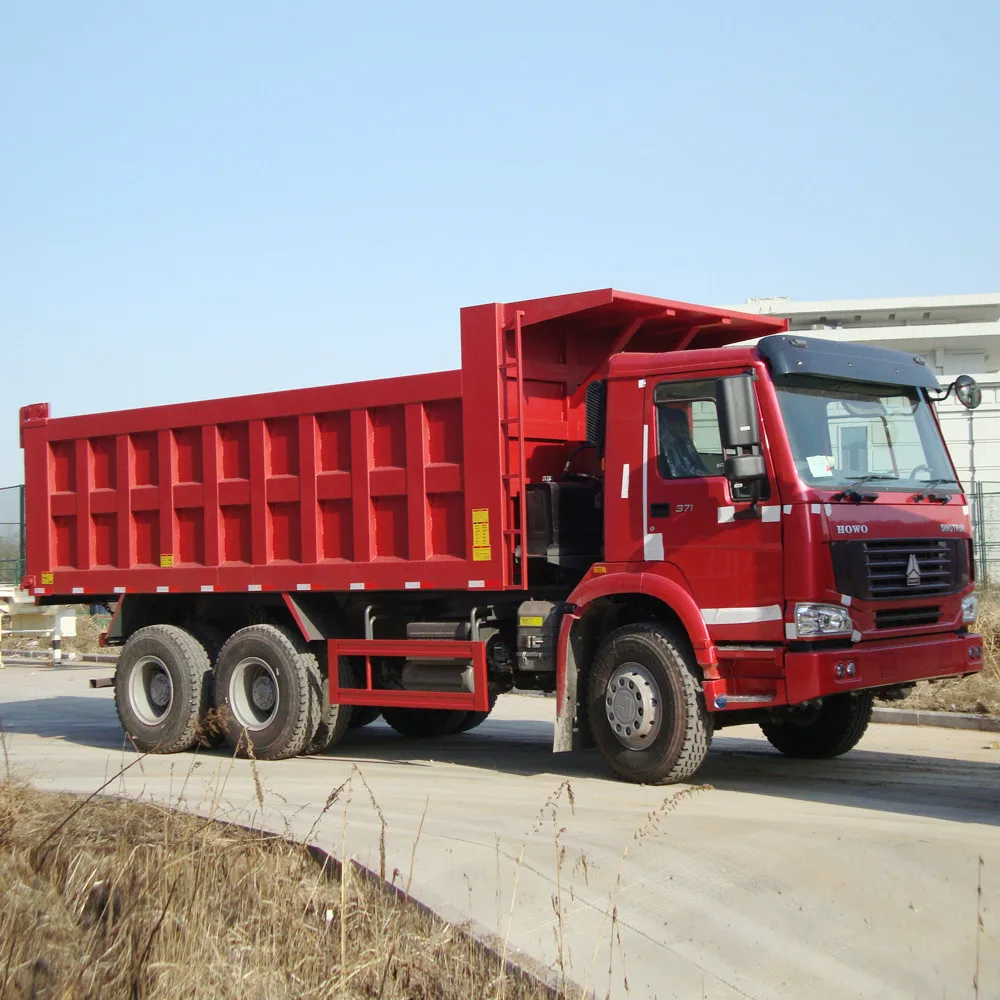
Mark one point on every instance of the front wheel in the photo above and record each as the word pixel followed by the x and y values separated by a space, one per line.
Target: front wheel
pixel 833 729
pixel 646 709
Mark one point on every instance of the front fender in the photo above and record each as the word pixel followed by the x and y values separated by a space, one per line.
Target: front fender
pixel 673 593
pixel 670 592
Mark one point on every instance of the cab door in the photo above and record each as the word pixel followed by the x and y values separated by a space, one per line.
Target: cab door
pixel 727 547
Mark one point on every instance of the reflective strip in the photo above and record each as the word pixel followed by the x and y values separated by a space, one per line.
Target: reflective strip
pixel 965 510
pixel 163 590
pixel 253 587
pixel 642 383
pixel 855 636
pixel 845 600
pixel 303 586
pixel 357 586
pixel 625 481
pixel 119 590
pixel 741 616
pixel 412 585
pixel 771 513
pixel 39 590
pixel 791 632
pixel 827 509
pixel 652 548
pixel 476 584
pixel 78 590
pixel 207 588
pixel 787 508
pixel 814 508
pixel 726 514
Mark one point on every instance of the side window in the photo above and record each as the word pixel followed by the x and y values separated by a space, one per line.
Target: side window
pixel 687 427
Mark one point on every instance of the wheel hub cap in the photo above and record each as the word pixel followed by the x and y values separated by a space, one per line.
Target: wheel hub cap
pixel 633 706
pixel 159 690
pixel 264 693
pixel 253 694
pixel 150 690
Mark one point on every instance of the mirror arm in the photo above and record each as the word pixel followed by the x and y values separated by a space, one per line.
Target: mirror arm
pixel 753 510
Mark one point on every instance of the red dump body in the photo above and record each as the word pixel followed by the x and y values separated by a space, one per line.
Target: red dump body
pixel 396 484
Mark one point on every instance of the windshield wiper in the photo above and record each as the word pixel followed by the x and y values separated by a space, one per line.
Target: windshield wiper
pixel 928 487
pixel 852 494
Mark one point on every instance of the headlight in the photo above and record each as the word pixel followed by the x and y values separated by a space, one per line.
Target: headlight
pixel 822 619
pixel 970 608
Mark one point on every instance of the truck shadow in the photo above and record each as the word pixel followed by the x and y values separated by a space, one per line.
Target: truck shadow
pixel 939 787
pixel 910 784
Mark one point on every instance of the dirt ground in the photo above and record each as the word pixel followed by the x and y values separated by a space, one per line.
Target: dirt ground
pixel 979 693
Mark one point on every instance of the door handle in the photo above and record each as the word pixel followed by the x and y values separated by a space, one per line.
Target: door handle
pixel 659 510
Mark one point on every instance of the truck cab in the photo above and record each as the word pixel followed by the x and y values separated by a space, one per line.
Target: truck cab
pixel 787 521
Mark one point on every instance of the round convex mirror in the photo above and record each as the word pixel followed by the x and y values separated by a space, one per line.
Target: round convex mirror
pixel 968 392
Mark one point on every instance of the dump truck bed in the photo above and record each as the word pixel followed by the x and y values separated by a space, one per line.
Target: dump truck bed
pixel 395 484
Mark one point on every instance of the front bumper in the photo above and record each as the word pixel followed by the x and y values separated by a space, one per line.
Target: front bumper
pixel 789 677
pixel 881 664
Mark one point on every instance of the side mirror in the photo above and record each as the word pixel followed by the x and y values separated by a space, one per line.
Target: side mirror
pixel 597 404
pixel 737 406
pixel 738 428
pixel 968 392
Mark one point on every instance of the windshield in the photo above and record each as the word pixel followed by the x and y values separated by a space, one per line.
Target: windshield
pixel 842 432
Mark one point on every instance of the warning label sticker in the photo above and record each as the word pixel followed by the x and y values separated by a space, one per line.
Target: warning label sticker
pixel 481 550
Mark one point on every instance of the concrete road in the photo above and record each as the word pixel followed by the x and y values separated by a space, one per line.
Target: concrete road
pixel 847 878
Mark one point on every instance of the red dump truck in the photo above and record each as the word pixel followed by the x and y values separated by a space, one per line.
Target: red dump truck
pixel 605 502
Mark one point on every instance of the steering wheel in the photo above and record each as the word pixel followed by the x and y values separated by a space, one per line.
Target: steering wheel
pixel 926 468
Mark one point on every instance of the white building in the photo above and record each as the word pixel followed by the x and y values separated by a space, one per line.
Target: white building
pixel 956 335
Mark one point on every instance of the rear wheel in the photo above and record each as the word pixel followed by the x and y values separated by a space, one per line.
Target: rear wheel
pixel 647 712
pixel 266 688
pixel 162 688
pixel 829 731
pixel 423 722
pixel 473 719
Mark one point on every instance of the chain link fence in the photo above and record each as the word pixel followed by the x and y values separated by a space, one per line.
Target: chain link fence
pixel 11 534
pixel 984 500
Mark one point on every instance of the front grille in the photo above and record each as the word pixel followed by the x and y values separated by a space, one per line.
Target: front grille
pixel 906 617
pixel 895 569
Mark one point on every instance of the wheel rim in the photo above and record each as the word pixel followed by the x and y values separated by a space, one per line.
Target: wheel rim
pixel 151 690
pixel 633 706
pixel 253 694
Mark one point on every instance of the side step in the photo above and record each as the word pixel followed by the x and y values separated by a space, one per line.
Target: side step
pixel 447 650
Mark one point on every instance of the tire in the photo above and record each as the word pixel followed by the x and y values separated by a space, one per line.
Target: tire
pixel 835 729
pixel 473 719
pixel 162 688
pixel 266 688
pixel 331 721
pixel 363 715
pixel 644 677
pixel 212 640
pixel 422 723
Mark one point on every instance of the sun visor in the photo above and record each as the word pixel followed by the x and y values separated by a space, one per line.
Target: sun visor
pixel 788 354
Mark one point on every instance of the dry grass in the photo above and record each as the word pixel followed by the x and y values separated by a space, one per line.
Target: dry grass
pixel 979 693
pixel 127 899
